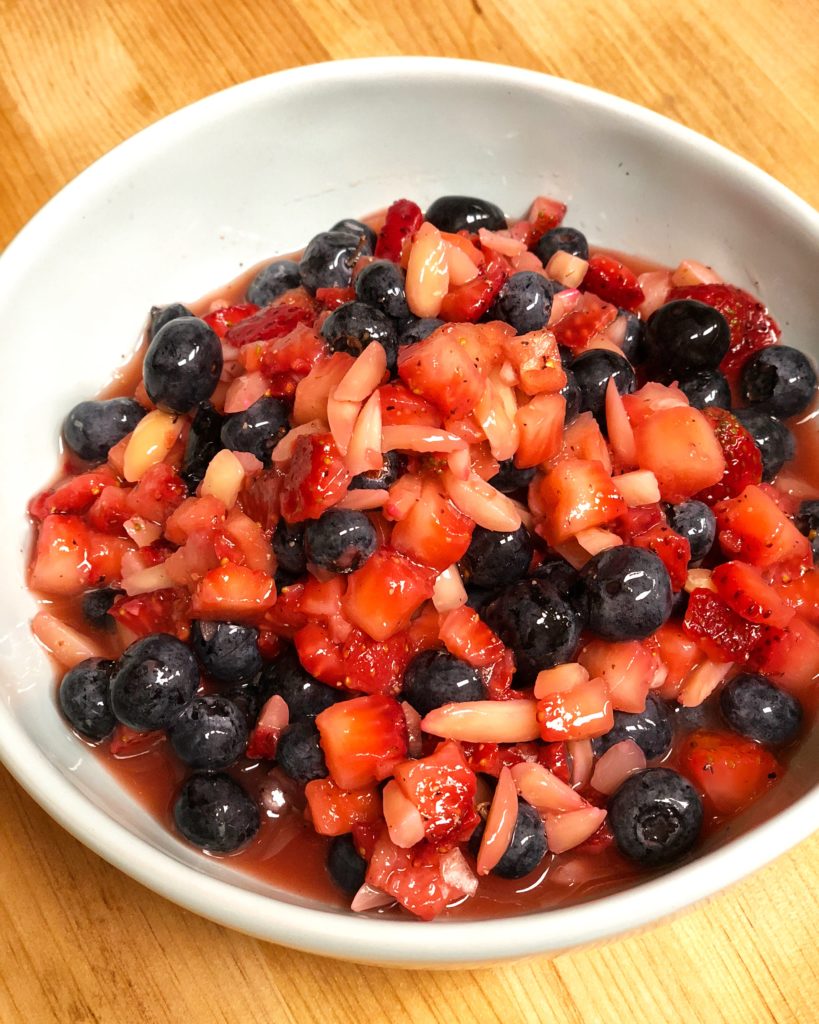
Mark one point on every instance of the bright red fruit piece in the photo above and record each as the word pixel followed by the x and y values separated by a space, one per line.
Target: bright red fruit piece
pixel 540 425
pixel 294 354
pixel 742 588
pixel 316 479
pixel 434 531
pixel 76 495
pixel 363 739
pixel 730 771
pixel 678 652
pixel 415 877
pixel 334 811
pixel 221 320
pixel 269 323
pixel 110 510
pixel 442 787
pixel 468 302
pixel 60 563
pixel 357 662
pixel 400 406
pixel 384 594
pixel 194 515
pixel 590 316
pixel 722 634
pixel 577 495
pixel 441 370
pixel 679 447
pixel 674 550
pixel 536 358
pixel 332 298
pixel 613 282
pixel 802 593
pixel 161 611
pixel 159 491
pixel 467 636
pixel 580 713
pixel 743 462
pixel 404 217
pixel 233 591
pixel 754 528
pixel 790 656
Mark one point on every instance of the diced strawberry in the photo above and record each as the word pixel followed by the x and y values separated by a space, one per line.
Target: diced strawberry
pixel 637 520
pixel 627 667
pixel 194 515
pixel 440 369
pixel 467 636
pixel 159 492
pixel 742 588
pixel 416 877
pixel 332 298
pixel 316 479
pixel 589 317
pixel 363 739
pixel 730 771
pixel 468 302
pixel 497 678
pixel 264 739
pixel 75 495
pixel 233 591
pixel 577 495
pixel 754 528
pixel 434 532
pixel 650 398
pixel 722 634
pixel 613 282
pixel 544 214
pixel 581 713
pixel 161 611
pixel 802 594
pixel 743 462
pixel 555 757
pixel 790 656
pixel 537 361
pixel 384 594
pixel 110 510
pixel 540 429
pixel 294 354
pixel 268 324
pixel 599 841
pixel 260 499
pixel 679 654
pixel 357 662
pixel 221 320
pixel 583 439
pixel 679 447
pixel 399 406
pixel 105 555
pixel 403 219
pixel 674 550
pixel 335 811
pixel 442 787
pixel 61 564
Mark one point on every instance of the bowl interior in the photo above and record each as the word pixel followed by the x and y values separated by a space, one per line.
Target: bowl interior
pixel 256 171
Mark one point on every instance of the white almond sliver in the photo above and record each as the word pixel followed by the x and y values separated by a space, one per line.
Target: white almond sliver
pixel 152 439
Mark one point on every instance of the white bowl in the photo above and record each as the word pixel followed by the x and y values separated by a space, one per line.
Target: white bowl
pixel 254 171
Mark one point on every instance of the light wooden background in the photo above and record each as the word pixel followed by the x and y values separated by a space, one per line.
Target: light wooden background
pixel 80 942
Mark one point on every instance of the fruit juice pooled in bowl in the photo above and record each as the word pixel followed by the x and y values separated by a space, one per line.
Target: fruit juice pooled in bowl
pixel 451 567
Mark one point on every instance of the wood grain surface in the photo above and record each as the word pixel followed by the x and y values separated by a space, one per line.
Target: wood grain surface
pixel 80 942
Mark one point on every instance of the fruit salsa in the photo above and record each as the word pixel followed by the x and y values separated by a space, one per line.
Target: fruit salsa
pixel 450 567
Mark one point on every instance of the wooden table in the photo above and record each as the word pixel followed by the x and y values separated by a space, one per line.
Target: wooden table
pixel 80 942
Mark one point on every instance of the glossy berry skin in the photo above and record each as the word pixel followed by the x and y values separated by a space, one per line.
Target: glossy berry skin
pixel 365 233
pixel 96 604
pixel 381 285
pixel 807 522
pixel 695 521
pixel 299 754
pixel 754 707
pixel 394 465
pixel 345 865
pixel 257 429
pixel 778 380
pixel 526 849
pixel 92 428
pixel 85 698
pixel 627 593
pixel 656 816
pixel 524 301
pixel 456 213
pixel 416 330
pixel 329 259
pixel 563 577
pixel 227 651
pixel 204 441
pixel 510 479
pixel 210 733
pixel 272 281
pixel 537 623
pixel 288 547
pixel 354 326
pixel 633 344
pixel 182 365
pixel 650 729
pixel 592 371
pixel 685 336
pixel 571 392
pixel 435 678
pixel 215 813
pixel 339 540
pixel 304 695
pixel 478 597
pixel 161 315
pixel 706 387
pixel 562 239
pixel 494 558
pixel 775 442
pixel 248 699
pixel 155 679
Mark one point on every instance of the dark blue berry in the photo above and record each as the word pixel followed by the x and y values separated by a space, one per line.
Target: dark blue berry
pixel 299 753
pixel 204 441
pixel 248 698
pixel 656 816
pixel 807 522
pixel 524 301
pixel 304 695
pixel 752 706
pixel 627 593
pixel 495 558
pixel 565 239
pixel 394 464
pixel 96 605
pixel 258 429
pixel 478 597
pixel 272 281
pixel 155 679
pixel 329 259
pixel 679 605
pixel 227 651
pixel 381 285
pixel 345 865
pixel 650 729
pixel 778 380
pixel 537 623
pixel 94 427
pixel 366 234
pixel 526 849
pixel 435 678
pixel 215 813
pixel 563 577
pixel 592 371
pixel 695 521
pixel 85 698
pixel 288 547
pixel 161 315
pixel 182 365
pixel 210 733
pixel 633 343
pixel 354 326
pixel 705 388
pixel 456 213
pixel 413 330
pixel 684 336
pixel 509 478
pixel 339 540
pixel 571 392
pixel 701 716
pixel 775 442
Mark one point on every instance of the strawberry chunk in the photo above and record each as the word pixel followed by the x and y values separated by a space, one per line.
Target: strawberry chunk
pixel 221 320
pixel 442 787
pixel 722 634
pixel 589 317
pixel 60 563
pixel 332 298
pixel 613 282
pixel 467 636
pixel 742 588
pixel 161 611
pixel 434 532
pixel 384 594
pixel 335 811
pixel 268 324
pixel 679 447
pixel 580 713
pixel 441 370
pixel 754 528
pixel 357 662
pixel 729 770
pixel 316 480
pixel 423 880
pixel 577 495
pixel 468 302
pixel 674 550
pixel 743 461
pixel 790 656
pixel 678 653
pixel 233 591
pixel 159 492
pixel 404 217
pixel 363 739
pixel 75 495
pixel 399 406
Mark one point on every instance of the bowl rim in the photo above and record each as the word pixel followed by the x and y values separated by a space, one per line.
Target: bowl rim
pixel 328 931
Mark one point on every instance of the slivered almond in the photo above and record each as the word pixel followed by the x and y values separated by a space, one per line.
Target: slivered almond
pixel 427 278
pixel 364 376
pixel 152 439
pixel 485 721
pixel 500 823
pixel 224 478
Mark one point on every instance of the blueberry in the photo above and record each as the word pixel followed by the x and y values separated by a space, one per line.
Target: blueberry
pixel 627 593
pixel 228 652
pixel 288 547
pixel 161 315
pixel 571 392
pixel 478 597
pixel 92 428
pixel 435 678
pixel 679 605
pixel 299 753
pixel 204 441
pixel 807 522
pixel 258 429
pixel 339 540
pixel 394 464
pixel 210 733
pixel 563 577
pixel 345 865
pixel 215 813
pixel 85 698
pixel 509 478
pixel 97 603
pixel 775 442
pixel 329 259
pixel 656 816
pixel 154 680
pixel 778 380
pixel 526 849
pixel 566 239
pixel 524 301
pixel 304 695
pixel 684 336
pixel 695 521
pixel 754 707
pixel 456 213
pixel 633 343
pixel 248 698
pixel 416 330
pixel 592 371
pixel 540 625
pixel 366 235
pixel 354 326
pixel 272 281
pixel 650 729
pixel 700 716
pixel 704 388
pixel 182 365
pixel 381 285
pixel 495 558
